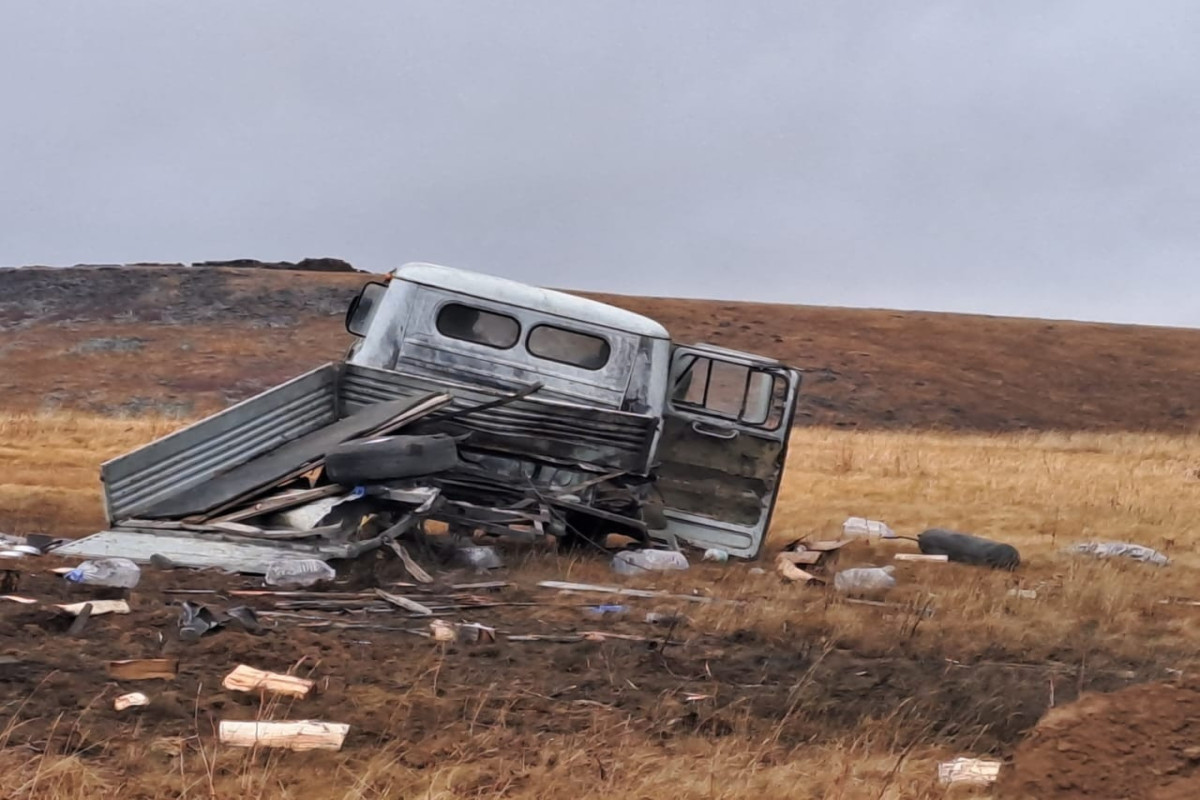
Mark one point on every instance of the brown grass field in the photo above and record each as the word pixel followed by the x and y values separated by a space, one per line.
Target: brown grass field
pixel 795 694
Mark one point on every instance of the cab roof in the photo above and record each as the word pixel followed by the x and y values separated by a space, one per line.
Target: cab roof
pixel 514 293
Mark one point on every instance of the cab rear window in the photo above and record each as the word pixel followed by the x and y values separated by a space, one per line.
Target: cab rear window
pixel 565 346
pixel 471 324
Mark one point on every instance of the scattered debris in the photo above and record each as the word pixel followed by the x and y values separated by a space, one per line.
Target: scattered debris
pixel 665 618
pixel 404 602
pixel 922 557
pixel 871 528
pixel 299 572
pixel 245 678
pixel 299 735
pixel 196 620
pixel 96 608
pixel 639 562
pixel 443 631
pixel 412 566
pixel 474 632
pixel 480 558
pixel 865 579
pixel 968 771
pixel 965 548
pixel 606 610
pixel 141 669
pixel 81 621
pixel 1023 594
pixel 789 571
pixel 1135 552
pixel 131 700
pixel 16 598
pixel 567 586
pixel 115 572
pixel 716 554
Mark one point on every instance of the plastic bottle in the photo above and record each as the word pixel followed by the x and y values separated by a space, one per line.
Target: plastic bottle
pixel 299 572
pixel 864 579
pixel 639 562
pixel 117 572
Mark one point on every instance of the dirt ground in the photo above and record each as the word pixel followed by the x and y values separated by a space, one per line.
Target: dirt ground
pixel 1138 743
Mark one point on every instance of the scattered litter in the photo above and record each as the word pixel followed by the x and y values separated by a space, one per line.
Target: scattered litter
pixel 299 735
pixel 81 620
pixel 414 569
pixel 865 579
pixel 474 632
pixel 716 554
pixel 789 571
pixel 131 700
pixel 757 571
pixel 480 557
pixel 141 669
pixel 1136 552
pixel 590 587
pixel 929 557
pixel 969 771
pixel 1023 594
pixel 606 610
pixel 98 607
pixel 196 620
pixel 299 572
pixel 245 678
pixel 404 602
pixel 15 598
pixel 115 572
pixel 443 631
pixel 665 618
pixel 860 526
pixel 967 549
pixel 638 562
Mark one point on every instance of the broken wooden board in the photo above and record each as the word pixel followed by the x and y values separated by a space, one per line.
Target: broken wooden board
pixel 299 735
pixel 98 607
pixel 307 452
pixel 245 678
pixel 404 602
pixel 921 557
pixel 280 502
pixel 144 669
pixel 412 566
pixel 969 772
pixel 789 571
pixel 621 590
pixel 806 557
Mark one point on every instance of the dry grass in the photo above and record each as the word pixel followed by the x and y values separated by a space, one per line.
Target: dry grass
pixel 1037 491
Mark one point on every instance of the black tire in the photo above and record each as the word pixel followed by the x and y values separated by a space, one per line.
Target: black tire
pixel 390 457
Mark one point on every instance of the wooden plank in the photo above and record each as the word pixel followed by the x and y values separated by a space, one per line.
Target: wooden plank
pixel 621 590
pixel 921 557
pixel 806 557
pixel 245 678
pixel 303 453
pixel 280 502
pixel 404 602
pixel 413 567
pixel 98 607
pixel 298 735
pixel 142 669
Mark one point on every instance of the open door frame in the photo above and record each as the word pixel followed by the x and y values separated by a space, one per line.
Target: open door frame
pixel 720 458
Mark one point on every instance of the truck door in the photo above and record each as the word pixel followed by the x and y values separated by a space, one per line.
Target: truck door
pixel 725 436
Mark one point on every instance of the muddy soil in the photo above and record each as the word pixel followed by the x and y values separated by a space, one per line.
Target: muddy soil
pixel 1139 743
pixel 393 685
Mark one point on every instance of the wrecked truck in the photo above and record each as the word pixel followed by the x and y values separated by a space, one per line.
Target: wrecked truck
pixel 570 417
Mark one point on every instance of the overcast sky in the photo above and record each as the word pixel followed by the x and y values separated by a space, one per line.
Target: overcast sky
pixel 1029 158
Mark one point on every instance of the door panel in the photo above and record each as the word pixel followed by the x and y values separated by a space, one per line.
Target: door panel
pixel 724 441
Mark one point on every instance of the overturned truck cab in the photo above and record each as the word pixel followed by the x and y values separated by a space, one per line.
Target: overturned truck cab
pixel 522 411
pixel 619 429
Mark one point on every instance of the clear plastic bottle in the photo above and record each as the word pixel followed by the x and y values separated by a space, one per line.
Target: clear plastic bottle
pixel 299 572
pixel 117 572
pixel 865 579
pixel 639 562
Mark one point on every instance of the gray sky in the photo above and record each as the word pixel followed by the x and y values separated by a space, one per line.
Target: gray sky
pixel 1031 158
